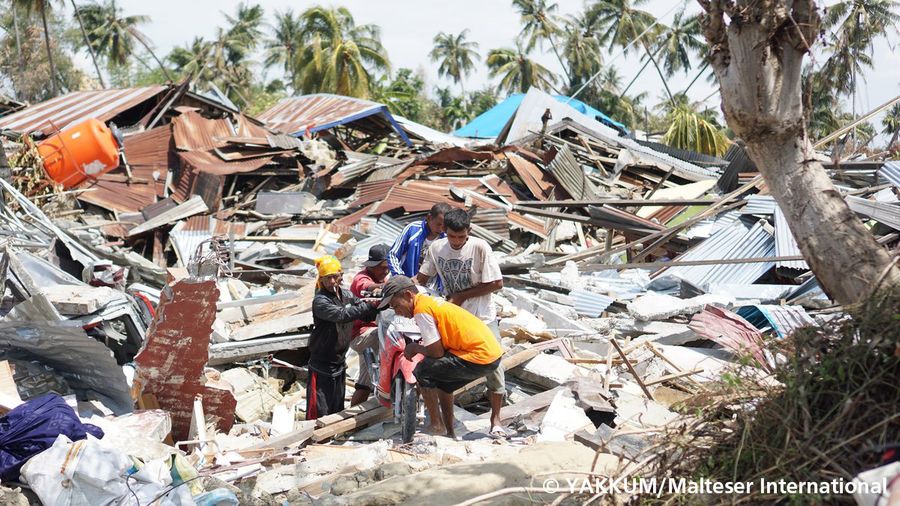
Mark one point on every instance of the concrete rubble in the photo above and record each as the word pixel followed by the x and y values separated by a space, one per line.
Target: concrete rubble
pixel 169 301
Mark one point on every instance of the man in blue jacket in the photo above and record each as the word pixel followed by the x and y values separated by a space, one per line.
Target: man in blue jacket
pixel 409 249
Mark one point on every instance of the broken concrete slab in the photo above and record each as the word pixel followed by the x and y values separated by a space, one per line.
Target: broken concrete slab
pixel 563 418
pixel 255 396
pixel 170 364
pixel 546 370
pixel 658 306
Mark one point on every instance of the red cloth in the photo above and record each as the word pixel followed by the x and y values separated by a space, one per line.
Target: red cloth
pixel 361 281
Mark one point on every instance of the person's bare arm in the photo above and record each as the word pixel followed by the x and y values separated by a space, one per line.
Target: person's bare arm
pixel 476 291
pixel 433 350
pixel 422 278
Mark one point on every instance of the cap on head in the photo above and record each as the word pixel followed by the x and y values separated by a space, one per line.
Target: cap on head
pixel 377 254
pixel 328 265
pixel 394 286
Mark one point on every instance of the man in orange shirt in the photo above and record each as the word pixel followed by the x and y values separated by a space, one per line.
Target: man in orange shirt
pixel 458 347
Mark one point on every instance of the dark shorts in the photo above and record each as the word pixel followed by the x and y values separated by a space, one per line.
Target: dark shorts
pixel 324 394
pixel 450 372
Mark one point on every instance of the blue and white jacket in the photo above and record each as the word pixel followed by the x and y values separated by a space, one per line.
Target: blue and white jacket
pixel 406 253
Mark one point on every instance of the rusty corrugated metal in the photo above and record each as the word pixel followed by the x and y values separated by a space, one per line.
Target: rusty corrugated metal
pixel 540 183
pixel 206 161
pixel 321 111
pixel 369 192
pixel 414 196
pixel 72 108
pixel 193 132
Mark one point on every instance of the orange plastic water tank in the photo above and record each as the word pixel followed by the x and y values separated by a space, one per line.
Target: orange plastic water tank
pixel 80 151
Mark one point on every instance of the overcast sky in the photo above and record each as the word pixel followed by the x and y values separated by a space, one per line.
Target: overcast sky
pixel 408 27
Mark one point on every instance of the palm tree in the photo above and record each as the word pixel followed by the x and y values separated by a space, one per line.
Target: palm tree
pixel 540 24
pixel 338 56
pixel 694 129
pixel 87 43
pixel 518 72
pixel 194 60
pixel 891 124
pixel 113 34
pixel 245 32
pixel 854 27
pixel 282 48
pixel 456 55
pixel 621 23
pixel 679 42
pixel 41 7
pixel 581 49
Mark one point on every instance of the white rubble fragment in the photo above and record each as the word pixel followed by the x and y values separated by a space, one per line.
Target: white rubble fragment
pixel 633 408
pixel 657 306
pixel 549 371
pixel 563 418
pixel 524 320
pixel 570 278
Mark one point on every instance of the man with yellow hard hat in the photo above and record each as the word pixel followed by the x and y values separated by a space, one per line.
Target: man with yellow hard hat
pixel 334 309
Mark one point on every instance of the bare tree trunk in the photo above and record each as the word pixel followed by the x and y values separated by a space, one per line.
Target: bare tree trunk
pixel 15 16
pixel 757 55
pixel 49 52
pixel 88 43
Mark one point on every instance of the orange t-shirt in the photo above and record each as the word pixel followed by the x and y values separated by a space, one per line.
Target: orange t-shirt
pixel 461 332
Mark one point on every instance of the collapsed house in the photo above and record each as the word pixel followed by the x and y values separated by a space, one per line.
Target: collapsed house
pixel 171 297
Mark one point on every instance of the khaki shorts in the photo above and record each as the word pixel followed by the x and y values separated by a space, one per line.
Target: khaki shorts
pixel 367 340
pixel 496 379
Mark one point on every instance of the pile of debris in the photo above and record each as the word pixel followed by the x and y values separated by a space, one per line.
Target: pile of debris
pixel 166 305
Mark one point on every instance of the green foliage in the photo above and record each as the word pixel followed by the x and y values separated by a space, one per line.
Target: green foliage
pixel 517 71
pixel 337 55
pixel 693 128
pixel 25 65
pixel 456 55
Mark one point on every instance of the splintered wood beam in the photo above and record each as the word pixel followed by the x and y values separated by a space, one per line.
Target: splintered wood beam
pixel 634 373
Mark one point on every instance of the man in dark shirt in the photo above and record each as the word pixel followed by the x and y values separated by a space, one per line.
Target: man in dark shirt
pixel 335 310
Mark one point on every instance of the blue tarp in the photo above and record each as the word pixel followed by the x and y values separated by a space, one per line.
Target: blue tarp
pixel 489 123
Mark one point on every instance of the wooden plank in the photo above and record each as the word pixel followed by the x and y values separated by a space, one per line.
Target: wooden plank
pixel 347 413
pixel 529 405
pixel 673 376
pixel 358 422
pixel 284 441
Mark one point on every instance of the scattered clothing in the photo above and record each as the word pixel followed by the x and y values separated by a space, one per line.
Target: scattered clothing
pixel 464 268
pixel 33 427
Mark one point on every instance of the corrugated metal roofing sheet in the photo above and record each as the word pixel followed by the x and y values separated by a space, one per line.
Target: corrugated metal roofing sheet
pixel 321 111
pixel 889 214
pixel 759 204
pixel 385 231
pixel 566 169
pixel 785 245
pixel 740 240
pixel 528 120
pixel 590 304
pixel 74 107
pixel 193 132
pixel 783 319
pixel 540 183
pixel 891 172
